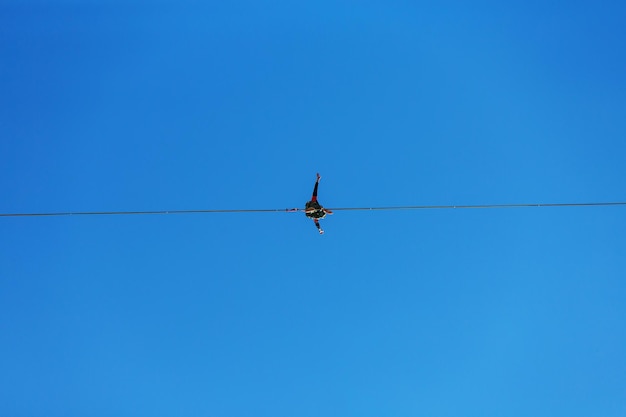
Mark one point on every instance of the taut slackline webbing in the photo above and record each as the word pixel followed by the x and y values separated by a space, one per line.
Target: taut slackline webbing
pixel 432 207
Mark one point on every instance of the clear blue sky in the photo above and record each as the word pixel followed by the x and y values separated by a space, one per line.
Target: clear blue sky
pixel 148 105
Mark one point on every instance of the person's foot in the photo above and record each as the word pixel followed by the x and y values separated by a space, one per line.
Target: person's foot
pixel 319 177
pixel 321 232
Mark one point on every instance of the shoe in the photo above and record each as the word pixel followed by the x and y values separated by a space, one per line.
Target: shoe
pixel 319 177
pixel 321 232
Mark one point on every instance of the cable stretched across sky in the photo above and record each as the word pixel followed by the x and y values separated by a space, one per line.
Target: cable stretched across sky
pixel 388 208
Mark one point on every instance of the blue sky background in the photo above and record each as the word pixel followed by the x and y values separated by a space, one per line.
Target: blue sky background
pixel 145 105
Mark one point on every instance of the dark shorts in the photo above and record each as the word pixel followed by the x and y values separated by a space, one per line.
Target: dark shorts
pixel 319 212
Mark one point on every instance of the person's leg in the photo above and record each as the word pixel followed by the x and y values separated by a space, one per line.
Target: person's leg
pixel 317 181
pixel 319 228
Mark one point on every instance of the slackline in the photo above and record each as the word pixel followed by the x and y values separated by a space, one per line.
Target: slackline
pixel 430 207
